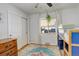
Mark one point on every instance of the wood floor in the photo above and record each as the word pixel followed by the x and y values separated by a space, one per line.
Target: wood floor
pixel 31 46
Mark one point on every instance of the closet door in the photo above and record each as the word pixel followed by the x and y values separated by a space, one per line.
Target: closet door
pixel 24 31
pixel 17 29
pixel 20 35
pixel 12 25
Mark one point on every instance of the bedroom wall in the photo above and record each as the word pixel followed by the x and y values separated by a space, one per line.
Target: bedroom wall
pixel 3 21
pixel 70 16
pixel 35 28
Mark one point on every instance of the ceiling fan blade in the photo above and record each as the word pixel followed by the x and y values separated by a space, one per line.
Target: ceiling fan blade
pixel 49 4
pixel 36 6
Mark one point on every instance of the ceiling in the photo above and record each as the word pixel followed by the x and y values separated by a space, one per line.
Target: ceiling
pixel 42 7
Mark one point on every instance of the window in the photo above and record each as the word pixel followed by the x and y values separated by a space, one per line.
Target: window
pixel 48 29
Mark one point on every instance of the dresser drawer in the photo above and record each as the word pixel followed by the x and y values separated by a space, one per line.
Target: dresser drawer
pixel 8 45
pixel 12 51
pixel 11 44
pixel 9 52
pixel 15 54
pixel 3 47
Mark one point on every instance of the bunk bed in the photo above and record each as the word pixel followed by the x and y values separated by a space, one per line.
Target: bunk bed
pixel 71 42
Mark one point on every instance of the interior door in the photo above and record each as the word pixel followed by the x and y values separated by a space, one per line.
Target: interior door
pixel 25 31
pixel 17 29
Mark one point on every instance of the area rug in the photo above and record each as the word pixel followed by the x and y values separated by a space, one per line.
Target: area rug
pixel 40 52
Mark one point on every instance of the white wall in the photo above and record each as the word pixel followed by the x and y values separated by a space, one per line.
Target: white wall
pixel 3 21
pixel 35 35
pixel 34 28
pixel 70 16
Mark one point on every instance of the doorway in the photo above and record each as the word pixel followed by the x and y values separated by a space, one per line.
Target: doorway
pixel 48 34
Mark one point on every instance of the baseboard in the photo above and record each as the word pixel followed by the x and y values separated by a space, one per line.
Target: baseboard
pixel 23 47
pixel 43 44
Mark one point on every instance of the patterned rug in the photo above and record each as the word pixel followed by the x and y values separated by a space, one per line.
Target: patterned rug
pixel 40 52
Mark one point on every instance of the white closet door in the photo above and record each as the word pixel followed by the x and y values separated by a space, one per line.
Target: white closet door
pixel 15 28
pixel 12 25
pixel 20 35
pixel 24 31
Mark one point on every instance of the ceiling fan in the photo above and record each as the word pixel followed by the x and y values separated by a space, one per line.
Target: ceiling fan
pixel 48 4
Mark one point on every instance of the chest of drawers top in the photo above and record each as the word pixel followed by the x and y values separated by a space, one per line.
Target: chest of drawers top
pixel 6 40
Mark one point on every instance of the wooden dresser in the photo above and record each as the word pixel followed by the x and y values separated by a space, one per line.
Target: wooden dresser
pixel 8 47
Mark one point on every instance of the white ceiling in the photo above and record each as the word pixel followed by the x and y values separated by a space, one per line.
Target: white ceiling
pixel 42 7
